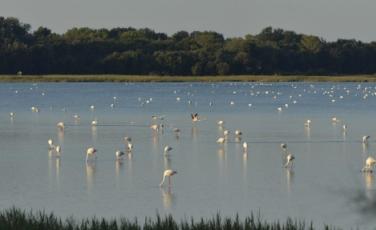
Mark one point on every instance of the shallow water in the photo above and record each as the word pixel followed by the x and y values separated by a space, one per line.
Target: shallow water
pixel 325 185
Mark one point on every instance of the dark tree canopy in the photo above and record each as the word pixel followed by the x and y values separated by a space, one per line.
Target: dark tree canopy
pixel 144 51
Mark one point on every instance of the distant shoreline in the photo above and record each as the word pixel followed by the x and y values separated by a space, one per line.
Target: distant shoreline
pixel 149 78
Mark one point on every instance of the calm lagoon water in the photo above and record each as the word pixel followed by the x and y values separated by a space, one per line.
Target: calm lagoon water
pixel 325 185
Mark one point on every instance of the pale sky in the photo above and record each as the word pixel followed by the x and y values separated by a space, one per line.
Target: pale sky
pixel 329 19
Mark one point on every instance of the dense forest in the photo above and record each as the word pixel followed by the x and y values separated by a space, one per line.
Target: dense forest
pixel 143 51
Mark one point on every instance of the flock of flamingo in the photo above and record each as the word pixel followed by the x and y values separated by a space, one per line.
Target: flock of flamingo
pixel 91 152
pixel 369 164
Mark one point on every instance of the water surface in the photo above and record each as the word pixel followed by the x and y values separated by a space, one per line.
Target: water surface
pixel 325 185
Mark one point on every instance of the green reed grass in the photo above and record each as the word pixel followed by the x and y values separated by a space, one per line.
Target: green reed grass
pixel 148 78
pixel 15 218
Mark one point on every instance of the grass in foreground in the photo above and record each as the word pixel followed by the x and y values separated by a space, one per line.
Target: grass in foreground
pixel 17 219
pixel 147 78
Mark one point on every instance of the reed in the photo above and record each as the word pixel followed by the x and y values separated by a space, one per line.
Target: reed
pixel 14 218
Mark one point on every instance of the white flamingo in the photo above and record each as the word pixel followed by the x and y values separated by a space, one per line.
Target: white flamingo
pixel 51 145
pixel 167 149
pixel 90 152
pixel 168 173
pixel 289 160
pixel 221 140
pixel 245 146
pixel 365 139
pixel 129 147
pixel 284 146
pixel 119 155
pixel 238 132
pixel 308 123
pixel 369 164
pixel 60 125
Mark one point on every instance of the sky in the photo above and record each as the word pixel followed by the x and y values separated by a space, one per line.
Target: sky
pixel 328 19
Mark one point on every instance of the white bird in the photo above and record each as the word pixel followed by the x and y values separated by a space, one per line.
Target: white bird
pixel 34 109
pixel 51 145
pixel 245 146
pixel 12 114
pixel 195 117
pixel 221 140
pixel 129 147
pixel 365 139
pixel 220 123
pixel 92 107
pixel 344 128
pixel 119 155
pixel 369 164
pixel 127 139
pixel 76 116
pixel 168 173
pixel 58 150
pixel 226 132
pixel 94 122
pixel 60 125
pixel 167 149
pixel 238 132
pixel 284 146
pixel 307 123
pixel 154 127
pixel 90 152
pixel 334 119
pixel 289 160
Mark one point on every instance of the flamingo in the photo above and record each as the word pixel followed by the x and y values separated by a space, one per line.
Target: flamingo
pixel 238 132
pixel 168 173
pixel 369 164
pixel 221 140
pixel 51 146
pixel 94 122
pixel 90 152
pixel 60 125
pixel 129 147
pixel 167 149
pixel 58 150
pixel 289 160
pixel 119 155
pixel 284 146
pixel 195 117
pixel 365 139
pixel 245 146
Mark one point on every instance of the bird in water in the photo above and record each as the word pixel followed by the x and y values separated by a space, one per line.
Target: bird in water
pixel 365 139
pixel 289 160
pixel 238 132
pixel 167 149
pixel 51 145
pixel 221 140
pixel 168 173
pixel 195 117
pixel 369 164
pixel 60 126
pixel 119 155
pixel 245 146
pixel 90 152
pixel 284 147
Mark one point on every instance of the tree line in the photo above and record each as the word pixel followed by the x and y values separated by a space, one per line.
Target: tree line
pixel 144 51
